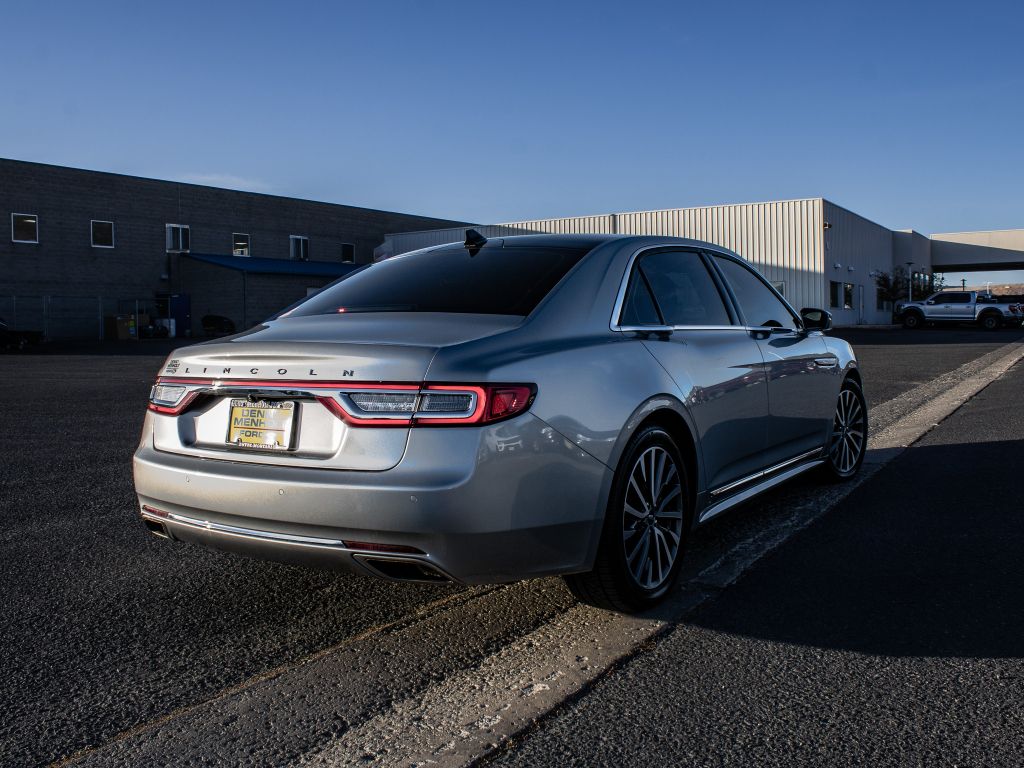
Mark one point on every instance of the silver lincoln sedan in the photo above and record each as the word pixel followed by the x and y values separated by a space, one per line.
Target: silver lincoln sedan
pixel 502 409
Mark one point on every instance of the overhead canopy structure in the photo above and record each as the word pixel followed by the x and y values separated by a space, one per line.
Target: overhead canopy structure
pixel 985 251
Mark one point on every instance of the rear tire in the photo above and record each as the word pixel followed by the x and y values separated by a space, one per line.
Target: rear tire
pixel 991 322
pixel 912 320
pixel 646 528
pixel 848 440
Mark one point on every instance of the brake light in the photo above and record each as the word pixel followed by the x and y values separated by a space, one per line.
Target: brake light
pixel 170 398
pixel 508 401
pixel 430 405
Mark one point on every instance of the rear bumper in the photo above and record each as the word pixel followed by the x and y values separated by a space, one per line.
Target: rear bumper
pixel 478 510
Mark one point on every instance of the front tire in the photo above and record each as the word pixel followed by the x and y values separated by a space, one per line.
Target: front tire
pixel 848 440
pixel 645 531
pixel 912 320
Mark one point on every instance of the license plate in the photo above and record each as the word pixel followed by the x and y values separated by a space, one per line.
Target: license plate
pixel 268 426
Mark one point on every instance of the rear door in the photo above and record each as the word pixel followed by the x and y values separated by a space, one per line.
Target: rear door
pixel 713 360
pixel 802 372
pixel 959 305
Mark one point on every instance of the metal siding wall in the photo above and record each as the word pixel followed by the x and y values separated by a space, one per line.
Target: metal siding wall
pixel 853 241
pixel 781 239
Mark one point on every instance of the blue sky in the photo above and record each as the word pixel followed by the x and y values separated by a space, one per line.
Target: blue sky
pixel 910 114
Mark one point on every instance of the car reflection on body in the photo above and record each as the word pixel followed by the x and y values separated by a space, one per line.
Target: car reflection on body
pixel 502 409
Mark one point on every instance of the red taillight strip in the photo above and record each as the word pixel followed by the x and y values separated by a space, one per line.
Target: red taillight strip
pixel 480 415
pixel 174 410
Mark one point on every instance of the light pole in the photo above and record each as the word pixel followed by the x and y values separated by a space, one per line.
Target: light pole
pixel 910 281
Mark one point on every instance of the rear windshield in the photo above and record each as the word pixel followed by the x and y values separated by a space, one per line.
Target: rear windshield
pixel 495 281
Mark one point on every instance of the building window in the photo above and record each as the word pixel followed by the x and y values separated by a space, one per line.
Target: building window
pixel 780 286
pixel 240 244
pixel 348 253
pixel 24 228
pixel 178 239
pixel 299 247
pixel 102 234
pixel 840 295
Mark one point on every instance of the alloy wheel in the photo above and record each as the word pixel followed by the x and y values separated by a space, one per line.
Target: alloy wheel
pixel 849 430
pixel 652 519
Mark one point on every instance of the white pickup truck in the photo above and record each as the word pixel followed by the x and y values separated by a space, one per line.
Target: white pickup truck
pixel 961 307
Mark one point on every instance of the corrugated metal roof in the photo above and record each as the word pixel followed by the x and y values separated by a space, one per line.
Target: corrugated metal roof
pixel 256 265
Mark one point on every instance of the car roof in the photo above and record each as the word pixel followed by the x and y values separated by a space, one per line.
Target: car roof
pixel 591 240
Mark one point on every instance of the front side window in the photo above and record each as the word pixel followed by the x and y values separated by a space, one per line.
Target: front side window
pixel 684 291
pixel 491 281
pixel 240 244
pixel 102 234
pixel 299 248
pixel 178 238
pixel 760 306
pixel 24 228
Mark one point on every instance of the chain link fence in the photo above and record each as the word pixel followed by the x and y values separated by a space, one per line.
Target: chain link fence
pixel 78 317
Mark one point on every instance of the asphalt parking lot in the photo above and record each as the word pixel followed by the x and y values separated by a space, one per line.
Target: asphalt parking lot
pixel 107 631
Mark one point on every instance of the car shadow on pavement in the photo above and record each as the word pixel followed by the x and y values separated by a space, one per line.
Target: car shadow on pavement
pixel 941 334
pixel 924 560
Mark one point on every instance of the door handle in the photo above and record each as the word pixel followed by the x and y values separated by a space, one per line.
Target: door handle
pixel 826 362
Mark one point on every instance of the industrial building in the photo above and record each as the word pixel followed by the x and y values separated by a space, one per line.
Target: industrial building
pixel 816 253
pixel 87 247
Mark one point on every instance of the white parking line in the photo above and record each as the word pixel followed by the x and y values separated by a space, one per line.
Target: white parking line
pixel 466 716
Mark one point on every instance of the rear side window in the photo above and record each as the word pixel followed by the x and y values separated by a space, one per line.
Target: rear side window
pixel 760 306
pixel 639 309
pixel 683 288
pixel 493 281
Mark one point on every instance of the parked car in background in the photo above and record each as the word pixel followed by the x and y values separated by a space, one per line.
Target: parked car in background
pixel 989 312
pixel 503 409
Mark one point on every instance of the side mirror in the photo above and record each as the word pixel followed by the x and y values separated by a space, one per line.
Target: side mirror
pixel 930 301
pixel 816 319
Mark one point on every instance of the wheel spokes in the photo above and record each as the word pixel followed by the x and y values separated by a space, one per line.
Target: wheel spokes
pixel 848 432
pixel 652 519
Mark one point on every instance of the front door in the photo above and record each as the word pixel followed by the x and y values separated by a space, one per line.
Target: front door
pixel 715 363
pixel 799 366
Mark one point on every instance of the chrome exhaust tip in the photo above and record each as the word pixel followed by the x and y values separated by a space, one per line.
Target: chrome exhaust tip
pixel 402 569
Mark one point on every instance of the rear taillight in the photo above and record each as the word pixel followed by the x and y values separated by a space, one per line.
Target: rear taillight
pixel 366 404
pixel 429 405
pixel 169 398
